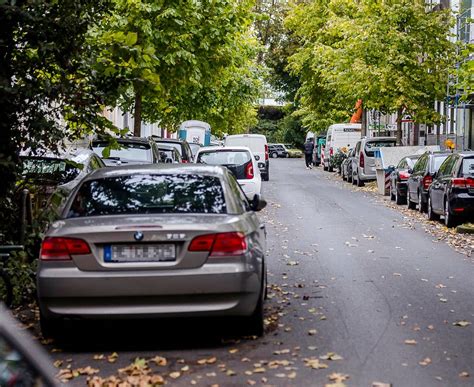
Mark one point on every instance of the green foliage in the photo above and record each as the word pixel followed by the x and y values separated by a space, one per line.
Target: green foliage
pixel 393 55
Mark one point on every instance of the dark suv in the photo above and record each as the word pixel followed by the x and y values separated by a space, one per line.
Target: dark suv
pixel 181 145
pixel 421 177
pixel 452 191
pixel 277 150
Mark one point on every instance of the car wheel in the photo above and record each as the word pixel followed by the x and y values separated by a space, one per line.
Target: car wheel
pixel 421 205
pixel 392 195
pixel 325 168
pixel 330 169
pixel 430 214
pixel 274 155
pixel 449 219
pixel 353 180
pixel 398 198
pixel 359 182
pixel 317 163
pixel 410 204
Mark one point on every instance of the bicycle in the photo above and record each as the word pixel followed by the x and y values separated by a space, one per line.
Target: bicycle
pixel 6 287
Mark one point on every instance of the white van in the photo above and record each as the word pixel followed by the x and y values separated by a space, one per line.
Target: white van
pixel 339 136
pixel 259 147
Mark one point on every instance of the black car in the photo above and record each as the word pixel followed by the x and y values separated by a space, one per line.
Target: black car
pixel 133 150
pixel 421 177
pixel 181 145
pixel 399 177
pixel 452 191
pixel 277 150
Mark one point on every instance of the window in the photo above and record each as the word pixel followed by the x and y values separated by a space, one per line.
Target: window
pixel 224 157
pixel 445 167
pixel 437 161
pixel 421 164
pixel 242 202
pixel 467 168
pixel 402 164
pixel 149 194
pixel 372 146
pixel 128 151
pixel 56 171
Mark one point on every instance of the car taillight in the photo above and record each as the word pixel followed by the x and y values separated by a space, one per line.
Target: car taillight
pixel 266 152
pixel 361 160
pixel 461 182
pixel 61 249
pixel 249 170
pixel 221 244
pixel 427 180
pixel 404 175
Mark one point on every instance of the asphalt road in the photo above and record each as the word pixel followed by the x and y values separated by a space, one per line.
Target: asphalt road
pixel 352 288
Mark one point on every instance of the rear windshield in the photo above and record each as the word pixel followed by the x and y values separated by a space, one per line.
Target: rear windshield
pixel 54 171
pixel 175 145
pixel 467 167
pixel 149 194
pixel 194 148
pixel 128 151
pixel 224 157
pixel 437 161
pixel 372 146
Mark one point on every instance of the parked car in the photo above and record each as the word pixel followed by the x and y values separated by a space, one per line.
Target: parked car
pixel 169 154
pixel 277 150
pixel 452 192
pixel 182 146
pixel 238 160
pixel 257 143
pixel 399 177
pixel 45 173
pixel 162 240
pixel 293 152
pixel 363 163
pixel 319 144
pixel 346 166
pixel 421 177
pixel 133 150
pixel 338 136
pixel 23 362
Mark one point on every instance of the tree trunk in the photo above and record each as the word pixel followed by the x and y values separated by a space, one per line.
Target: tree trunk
pixel 399 126
pixel 364 123
pixel 416 134
pixel 137 122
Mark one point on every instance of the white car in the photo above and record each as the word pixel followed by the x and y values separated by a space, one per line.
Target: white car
pixel 239 160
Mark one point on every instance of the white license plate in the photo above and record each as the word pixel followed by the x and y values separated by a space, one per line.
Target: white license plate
pixel 164 252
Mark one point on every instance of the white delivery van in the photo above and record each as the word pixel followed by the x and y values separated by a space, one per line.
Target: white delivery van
pixel 257 143
pixel 339 136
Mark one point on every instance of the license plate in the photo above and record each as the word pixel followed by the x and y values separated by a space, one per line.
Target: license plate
pixel 165 252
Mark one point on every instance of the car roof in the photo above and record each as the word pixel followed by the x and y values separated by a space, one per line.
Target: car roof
pixel 224 148
pixel 247 135
pixel 157 169
pixel 466 153
pixel 170 140
pixel 75 154
pixel 133 139
pixel 380 138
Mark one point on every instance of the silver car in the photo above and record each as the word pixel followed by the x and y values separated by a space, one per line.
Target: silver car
pixel 154 241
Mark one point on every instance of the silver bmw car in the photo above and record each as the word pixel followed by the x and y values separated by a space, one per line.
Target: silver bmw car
pixel 154 241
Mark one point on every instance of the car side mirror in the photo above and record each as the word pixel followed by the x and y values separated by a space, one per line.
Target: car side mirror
pixel 391 167
pixel 410 171
pixel 257 157
pixel 258 203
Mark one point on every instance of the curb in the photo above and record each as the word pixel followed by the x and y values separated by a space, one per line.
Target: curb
pixel 465 229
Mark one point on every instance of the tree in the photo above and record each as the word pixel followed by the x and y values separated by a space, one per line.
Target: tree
pixel 169 55
pixel 392 54
pixel 46 92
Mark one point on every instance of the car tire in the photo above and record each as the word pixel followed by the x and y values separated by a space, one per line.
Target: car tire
pixel 359 182
pixel 254 325
pixel 274 155
pixel 392 195
pixel 429 211
pixel 317 163
pixel 330 169
pixel 421 205
pixel 449 219
pixel 324 167
pixel 398 198
pixel 410 204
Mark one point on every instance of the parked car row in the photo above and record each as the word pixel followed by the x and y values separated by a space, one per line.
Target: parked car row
pixel 151 230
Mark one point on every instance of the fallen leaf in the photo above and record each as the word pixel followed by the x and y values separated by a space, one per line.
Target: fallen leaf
pixel 462 323
pixel 426 361
pixel 464 374
pixel 331 356
pixel 230 373
pixel 315 364
pixel 411 342
pixel 337 377
pixel 175 375
pixel 233 350
pixel 312 332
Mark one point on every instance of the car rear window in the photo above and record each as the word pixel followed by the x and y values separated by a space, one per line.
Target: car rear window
pixel 467 167
pixel 224 157
pixel 54 171
pixel 129 151
pixel 437 161
pixel 372 146
pixel 149 194
pixel 256 144
pixel 175 145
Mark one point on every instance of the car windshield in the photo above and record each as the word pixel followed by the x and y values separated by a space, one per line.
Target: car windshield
pixel 233 157
pixel 128 151
pixel 372 146
pixel 467 167
pixel 194 148
pixel 175 145
pixel 149 194
pixel 54 170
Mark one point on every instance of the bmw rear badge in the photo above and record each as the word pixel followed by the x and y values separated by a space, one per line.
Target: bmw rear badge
pixel 138 236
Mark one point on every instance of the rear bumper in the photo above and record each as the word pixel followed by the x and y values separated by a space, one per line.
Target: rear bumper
pixel 367 176
pixel 402 188
pixel 212 290
pixel 462 201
